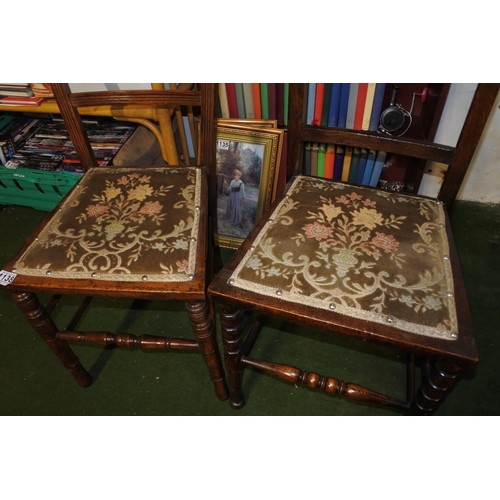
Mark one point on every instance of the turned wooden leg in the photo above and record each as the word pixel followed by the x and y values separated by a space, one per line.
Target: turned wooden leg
pixel 204 330
pixel 41 321
pixel 232 342
pixel 436 384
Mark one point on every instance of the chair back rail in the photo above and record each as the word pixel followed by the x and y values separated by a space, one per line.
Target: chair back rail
pixel 165 101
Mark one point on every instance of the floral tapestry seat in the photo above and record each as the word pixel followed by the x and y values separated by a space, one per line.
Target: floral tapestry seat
pixel 358 252
pixel 138 227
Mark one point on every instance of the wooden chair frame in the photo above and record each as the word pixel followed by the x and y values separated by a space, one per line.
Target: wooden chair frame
pixel 25 289
pixel 443 361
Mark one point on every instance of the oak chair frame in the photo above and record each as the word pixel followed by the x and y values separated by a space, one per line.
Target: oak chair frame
pixel 442 361
pixel 25 289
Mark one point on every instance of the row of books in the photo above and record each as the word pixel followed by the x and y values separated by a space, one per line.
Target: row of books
pixel 45 144
pixel 254 101
pixel 355 106
pixel 344 163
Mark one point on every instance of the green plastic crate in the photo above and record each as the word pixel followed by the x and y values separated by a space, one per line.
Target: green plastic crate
pixel 39 189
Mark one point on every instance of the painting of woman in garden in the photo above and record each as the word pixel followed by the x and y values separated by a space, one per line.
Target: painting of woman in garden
pixel 239 166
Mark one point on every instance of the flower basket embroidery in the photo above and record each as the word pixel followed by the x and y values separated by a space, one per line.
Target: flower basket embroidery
pixel 138 226
pixel 342 248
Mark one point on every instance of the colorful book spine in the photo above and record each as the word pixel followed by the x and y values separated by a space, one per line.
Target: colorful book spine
pixel 353 170
pixel 311 98
pixel 327 94
pixel 377 168
pixel 321 159
pixel 329 161
pixel 264 101
pixel 370 162
pixel 240 100
pixel 370 94
pixel 318 103
pixel 360 106
pixel 347 164
pixel 231 100
pixel 314 159
pixel 224 108
pixel 378 99
pixel 339 162
pixel 343 105
pixel 361 166
pixel 248 96
pixel 351 107
pixel 256 101
pixel 333 114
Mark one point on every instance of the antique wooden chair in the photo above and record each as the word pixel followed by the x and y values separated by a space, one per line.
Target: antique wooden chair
pixel 358 262
pixel 125 232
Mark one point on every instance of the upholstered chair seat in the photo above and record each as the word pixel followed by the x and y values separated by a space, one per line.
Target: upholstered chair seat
pixel 357 252
pixel 122 224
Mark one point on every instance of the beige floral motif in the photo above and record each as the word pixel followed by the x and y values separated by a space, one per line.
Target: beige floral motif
pixel 367 217
pixel 140 192
pixel 112 192
pixel 331 211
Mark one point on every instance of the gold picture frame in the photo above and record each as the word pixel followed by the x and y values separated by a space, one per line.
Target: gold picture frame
pixel 242 198
pixel 247 122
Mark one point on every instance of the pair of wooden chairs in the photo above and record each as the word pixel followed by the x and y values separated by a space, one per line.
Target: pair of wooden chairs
pixel 348 260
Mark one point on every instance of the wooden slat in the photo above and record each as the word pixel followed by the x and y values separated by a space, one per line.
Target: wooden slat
pixel 156 98
pixel 370 140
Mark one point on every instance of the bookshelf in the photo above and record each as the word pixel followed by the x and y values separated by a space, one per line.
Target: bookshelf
pixel 408 148
pixel 413 149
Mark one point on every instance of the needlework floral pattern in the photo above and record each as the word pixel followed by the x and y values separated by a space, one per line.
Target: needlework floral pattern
pixel 357 251
pixel 122 224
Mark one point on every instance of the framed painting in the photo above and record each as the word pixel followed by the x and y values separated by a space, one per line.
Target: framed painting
pixel 248 122
pixel 248 161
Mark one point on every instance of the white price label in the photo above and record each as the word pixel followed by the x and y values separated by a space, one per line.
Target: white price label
pixel 7 278
pixel 222 144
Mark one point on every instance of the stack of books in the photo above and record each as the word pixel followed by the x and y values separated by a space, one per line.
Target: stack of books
pixel 19 94
pixel 344 163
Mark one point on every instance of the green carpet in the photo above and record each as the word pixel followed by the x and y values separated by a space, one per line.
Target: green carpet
pixel 34 382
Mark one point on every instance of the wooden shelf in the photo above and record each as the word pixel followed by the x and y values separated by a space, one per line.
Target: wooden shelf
pixel 415 144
